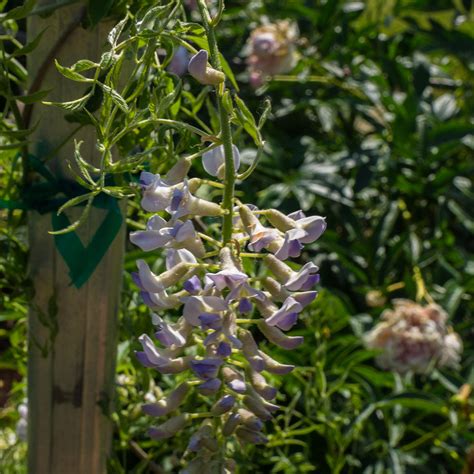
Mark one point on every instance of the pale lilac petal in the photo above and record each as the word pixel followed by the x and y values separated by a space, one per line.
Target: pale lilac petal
pixel 224 349
pixel 177 256
pixel 305 298
pixel 245 306
pixel 194 306
pixel 149 281
pixel 179 63
pixel 298 279
pixel 314 227
pixel 310 282
pixel 151 351
pixel 297 215
pixel 143 359
pixel 160 300
pixel 291 247
pixel 206 368
pixel 183 231
pixel 193 285
pixel 286 316
pixel 156 195
pixel 147 178
pixel 227 279
pixel 237 385
pixel 262 239
pixel 167 334
pixel 287 321
pixel 210 321
pixel 148 239
pixel 136 279
pixel 156 223
pixel 214 161
pixel 209 387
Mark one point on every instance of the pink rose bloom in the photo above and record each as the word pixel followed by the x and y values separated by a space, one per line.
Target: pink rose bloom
pixel 414 337
pixel 272 51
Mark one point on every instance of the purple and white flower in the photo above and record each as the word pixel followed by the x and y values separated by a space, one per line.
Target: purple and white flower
pixel 195 306
pixel 214 161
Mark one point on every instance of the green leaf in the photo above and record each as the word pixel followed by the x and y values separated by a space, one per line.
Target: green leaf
pixel 19 12
pixel 32 98
pixel 267 108
pixel 83 65
pixel 116 97
pixel 72 227
pixel 419 401
pixel 73 105
pixel 75 201
pixel 247 120
pixel 29 47
pixel 71 74
pixel 116 31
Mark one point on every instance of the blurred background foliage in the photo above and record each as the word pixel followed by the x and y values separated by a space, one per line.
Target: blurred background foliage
pixel 373 129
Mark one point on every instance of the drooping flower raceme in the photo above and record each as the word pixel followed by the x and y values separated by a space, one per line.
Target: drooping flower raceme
pixel 217 292
pixel 414 338
pixel 220 304
pixel 272 50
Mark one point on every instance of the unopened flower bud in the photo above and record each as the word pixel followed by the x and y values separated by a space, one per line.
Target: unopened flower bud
pixel 250 420
pixel 279 220
pixel 231 424
pixel 202 72
pixel 275 367
pixel 178 172
pixel 203 438
pixel 259 407
pixel 209 387
pixel 169 428
pixel 206 368
pixel 234 379
pixel 169 403
pixel 250 350
pixel 273 334
pixel 249 436
pixel 261 386
pixel 156 284
pixel 223 405
pixel 301 280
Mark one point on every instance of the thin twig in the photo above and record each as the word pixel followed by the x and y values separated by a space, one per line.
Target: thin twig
pixel 143 455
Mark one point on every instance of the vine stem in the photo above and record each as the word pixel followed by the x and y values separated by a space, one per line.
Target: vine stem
pixel 226 133
pixel 229 177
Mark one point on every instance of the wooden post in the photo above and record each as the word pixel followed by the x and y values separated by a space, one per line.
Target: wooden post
pixel 72 332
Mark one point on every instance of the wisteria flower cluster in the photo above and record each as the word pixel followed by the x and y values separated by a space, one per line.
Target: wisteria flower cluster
pixel 272 50
pixel 414 338
pixel 221 294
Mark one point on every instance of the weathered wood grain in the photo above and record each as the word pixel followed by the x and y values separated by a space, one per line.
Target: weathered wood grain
pixel 68 431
